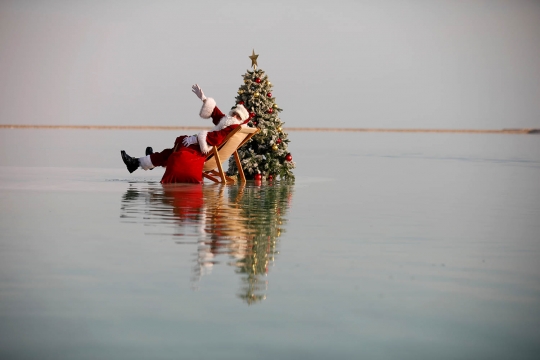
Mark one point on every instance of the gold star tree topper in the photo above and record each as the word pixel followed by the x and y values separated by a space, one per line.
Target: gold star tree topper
pixel 253 58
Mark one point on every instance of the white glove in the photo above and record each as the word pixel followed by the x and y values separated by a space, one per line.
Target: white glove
pixel 198 91
pixel 189 140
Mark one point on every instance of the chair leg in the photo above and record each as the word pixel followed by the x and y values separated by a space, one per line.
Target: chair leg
pixel 206 175
pixel 218 162
pixel 239 166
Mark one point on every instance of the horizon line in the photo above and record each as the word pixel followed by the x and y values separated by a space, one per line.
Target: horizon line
pixel 310 129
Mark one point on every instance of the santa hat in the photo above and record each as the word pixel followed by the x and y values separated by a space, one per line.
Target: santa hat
pixel 241 111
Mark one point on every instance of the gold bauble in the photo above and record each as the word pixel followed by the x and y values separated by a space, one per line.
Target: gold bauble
pixel 256 94
pixel 269 83
pixel 275 106
pixel 279 129
pixel 274 147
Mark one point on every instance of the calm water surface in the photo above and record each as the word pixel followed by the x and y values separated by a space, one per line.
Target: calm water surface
pixel 387 246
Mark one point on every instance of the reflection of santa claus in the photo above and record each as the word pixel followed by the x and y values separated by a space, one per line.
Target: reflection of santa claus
pixel 184 162
pixel 186 201
pixel 221 225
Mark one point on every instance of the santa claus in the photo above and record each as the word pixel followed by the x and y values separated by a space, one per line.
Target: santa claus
pixel 184 161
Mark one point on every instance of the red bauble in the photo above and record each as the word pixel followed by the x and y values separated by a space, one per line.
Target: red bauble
pixel 278 141
pixel 258 177
pixel 288 157
pixel 258 80
pixel 252 114
pixel 270 110
pixel 269 94
pixel 270 177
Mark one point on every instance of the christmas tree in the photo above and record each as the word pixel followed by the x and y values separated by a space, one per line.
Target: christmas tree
pixel 266 155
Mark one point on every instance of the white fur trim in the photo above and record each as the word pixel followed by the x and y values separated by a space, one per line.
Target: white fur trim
pixel 201 137
pixel 240 110
pixel 145 163
pixel 226 121
pixel 207 108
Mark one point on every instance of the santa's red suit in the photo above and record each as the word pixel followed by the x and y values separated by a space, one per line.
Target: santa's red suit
pixel 185 163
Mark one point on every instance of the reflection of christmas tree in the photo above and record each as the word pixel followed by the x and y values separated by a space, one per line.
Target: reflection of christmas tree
pixel 264 207
pixel 240 222
pixel 266 156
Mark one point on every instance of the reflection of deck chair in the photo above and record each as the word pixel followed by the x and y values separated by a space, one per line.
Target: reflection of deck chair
pixel 236 139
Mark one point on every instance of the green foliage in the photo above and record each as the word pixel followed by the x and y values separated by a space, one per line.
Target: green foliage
pixel 267 151
pixel 265 209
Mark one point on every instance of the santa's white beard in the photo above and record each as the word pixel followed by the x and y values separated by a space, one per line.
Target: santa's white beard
pixel 226 121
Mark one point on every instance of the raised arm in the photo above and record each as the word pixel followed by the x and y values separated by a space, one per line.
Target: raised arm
pixel 209 108
pixel 198 91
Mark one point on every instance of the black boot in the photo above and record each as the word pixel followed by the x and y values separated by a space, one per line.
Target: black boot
pixel 132 163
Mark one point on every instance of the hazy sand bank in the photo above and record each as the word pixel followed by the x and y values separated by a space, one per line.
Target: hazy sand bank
pixel 143 127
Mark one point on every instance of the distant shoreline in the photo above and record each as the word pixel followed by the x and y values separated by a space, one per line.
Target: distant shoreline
pixel 288 129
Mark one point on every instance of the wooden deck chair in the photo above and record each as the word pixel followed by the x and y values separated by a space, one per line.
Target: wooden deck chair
pixel 218 154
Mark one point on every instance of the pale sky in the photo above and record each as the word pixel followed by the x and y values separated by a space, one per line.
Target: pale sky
pixel 379 64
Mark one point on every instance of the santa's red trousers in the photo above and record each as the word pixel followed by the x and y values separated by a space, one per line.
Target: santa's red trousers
pixel 183 163
pixel 161 158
